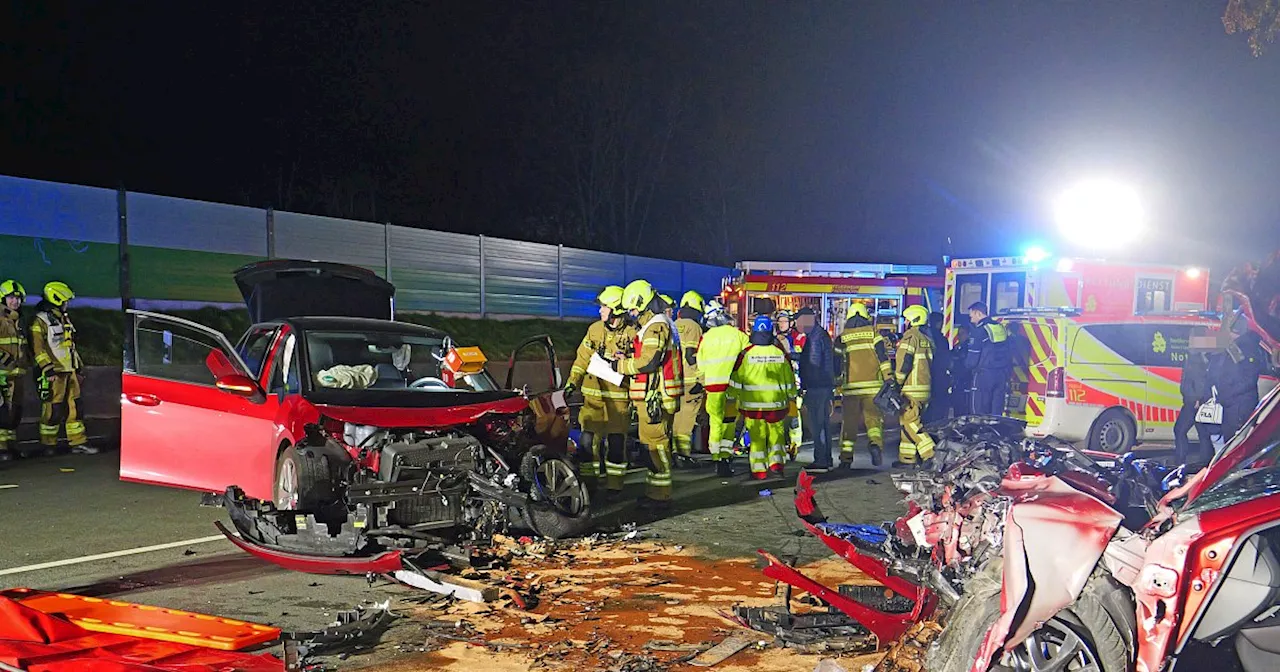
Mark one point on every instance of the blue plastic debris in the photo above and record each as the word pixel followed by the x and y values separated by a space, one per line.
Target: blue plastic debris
pixel 766 493
pixel 868 534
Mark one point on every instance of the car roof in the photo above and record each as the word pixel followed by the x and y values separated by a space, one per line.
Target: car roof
pixel 356 323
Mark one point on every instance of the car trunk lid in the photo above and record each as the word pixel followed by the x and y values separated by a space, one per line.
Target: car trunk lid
pixel 283 288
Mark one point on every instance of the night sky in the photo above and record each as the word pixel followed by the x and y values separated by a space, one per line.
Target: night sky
pixel 839 131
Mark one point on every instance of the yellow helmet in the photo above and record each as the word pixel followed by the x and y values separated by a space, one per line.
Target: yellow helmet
pixel 671 303
pixel 692 300
pixel 12 287
pixel 916 316
pixel 857 309
pixel 637 295
pixel 58 293
pixel 610 297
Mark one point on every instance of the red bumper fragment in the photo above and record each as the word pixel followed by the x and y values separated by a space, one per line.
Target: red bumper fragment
pixel 384 563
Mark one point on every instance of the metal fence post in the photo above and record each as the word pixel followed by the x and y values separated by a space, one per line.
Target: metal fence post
pixel 482 300
pixel 560 281
pixel 122 223
pixel 271 233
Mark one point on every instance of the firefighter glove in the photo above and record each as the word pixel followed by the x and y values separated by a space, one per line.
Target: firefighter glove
pixel 570 389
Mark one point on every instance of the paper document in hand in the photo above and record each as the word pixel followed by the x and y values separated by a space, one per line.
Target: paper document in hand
pixel 599 368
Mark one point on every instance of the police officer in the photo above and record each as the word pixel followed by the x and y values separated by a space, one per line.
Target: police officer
pixel 914 358
pixel 763 385
pixel 14 362
pixel 59 368
pixel 717 353
pixel 605 416
pixel 689 332
pixel 657 383
pixel 991 361
pixel 864 355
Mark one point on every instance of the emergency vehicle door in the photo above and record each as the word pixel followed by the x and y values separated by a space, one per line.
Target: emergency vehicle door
pixel 534 371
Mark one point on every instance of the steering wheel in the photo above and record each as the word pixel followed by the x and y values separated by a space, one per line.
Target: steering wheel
pixel 429 381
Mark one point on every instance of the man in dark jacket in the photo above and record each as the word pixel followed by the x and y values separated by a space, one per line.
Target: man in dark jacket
pixel 1195 391
pixel 1234 374
pixel 939 378
pixel 991 361
pixel 817 381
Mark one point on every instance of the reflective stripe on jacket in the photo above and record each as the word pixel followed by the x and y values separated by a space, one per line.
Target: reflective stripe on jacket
pixel 866 359
pixel 914 359
pixel 13 343
pixel 53 341
pixel 606 342
pixel 762 379
pixel 989 348
pixel 717 354
pixel 690 333
pixel 654 353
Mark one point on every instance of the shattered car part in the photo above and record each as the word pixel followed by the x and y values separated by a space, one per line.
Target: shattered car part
pixel 354 628
pixel 724 650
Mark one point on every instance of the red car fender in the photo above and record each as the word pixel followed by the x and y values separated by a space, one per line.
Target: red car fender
pixel 1054 535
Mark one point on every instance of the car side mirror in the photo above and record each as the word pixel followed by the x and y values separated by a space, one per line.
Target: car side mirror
pixel 240 386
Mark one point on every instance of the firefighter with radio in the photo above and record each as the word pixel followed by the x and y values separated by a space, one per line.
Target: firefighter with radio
pixel 605 416
pixel 58 371
pixel 657 383
pixel 913 373
pixel 990 358
pixel 689 332
pixel 866 365
pixel 717 353
pixel 763 385
pixel 14 362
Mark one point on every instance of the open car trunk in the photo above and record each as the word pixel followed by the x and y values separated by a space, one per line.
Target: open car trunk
pixel 283 288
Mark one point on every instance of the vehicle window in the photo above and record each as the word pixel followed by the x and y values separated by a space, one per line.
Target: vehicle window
pixel 1167 344
pixel 253 348
pixel 285 377
pixel 375 359
pixel 172 351
pixel 1111 344
pixel 970 289
pixel 1258 476
pixel 1153 295
pixel 534 369
pixel 1008 289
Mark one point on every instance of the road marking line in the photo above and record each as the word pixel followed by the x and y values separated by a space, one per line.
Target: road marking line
pixel 8 486
pixel 108 556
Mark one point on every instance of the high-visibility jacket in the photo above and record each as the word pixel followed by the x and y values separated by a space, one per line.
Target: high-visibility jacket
pixel 53 340
pixel 606 342
pixel 13 343
pixel 655 354
pixel 690 337
pixel 762 379
pixel 914 360
pixel 866 359
pixel 989 348
pixel 717 354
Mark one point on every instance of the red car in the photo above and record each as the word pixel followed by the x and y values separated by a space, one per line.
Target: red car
pixel 331 430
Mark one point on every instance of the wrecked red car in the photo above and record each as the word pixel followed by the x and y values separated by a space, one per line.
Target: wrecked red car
pixel 332 431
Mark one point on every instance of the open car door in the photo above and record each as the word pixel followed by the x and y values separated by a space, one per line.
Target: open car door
pixel 191 414
pixel 533 371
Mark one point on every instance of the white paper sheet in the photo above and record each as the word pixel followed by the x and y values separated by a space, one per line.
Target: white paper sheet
pixel 599 368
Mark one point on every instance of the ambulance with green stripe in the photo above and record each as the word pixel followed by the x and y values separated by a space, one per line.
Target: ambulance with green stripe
pixel 1098 346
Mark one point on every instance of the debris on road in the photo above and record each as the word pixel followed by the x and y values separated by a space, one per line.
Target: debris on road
pixel 722 651
pixel 353 629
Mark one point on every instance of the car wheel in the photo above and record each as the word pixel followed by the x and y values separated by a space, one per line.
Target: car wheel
pixel 1083 637
pixel 1113 432
pixel 302 481
pixel 559 503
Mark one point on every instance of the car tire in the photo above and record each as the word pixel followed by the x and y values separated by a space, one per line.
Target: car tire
pixel 1113 432
pixel 559 501
pixel 1098 620
pixel 302 480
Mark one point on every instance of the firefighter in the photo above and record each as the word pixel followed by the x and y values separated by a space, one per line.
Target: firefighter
pixel 606 409
pixel 58 368
pixel 866 365
pixel 763 385
pixel 657 383
pixel 792 342
pixel 14 362
pixel 689 331
pixel 913 373
pixel 717 353
pixel 990 360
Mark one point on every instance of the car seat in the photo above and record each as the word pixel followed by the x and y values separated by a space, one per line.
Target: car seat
pixel 388 377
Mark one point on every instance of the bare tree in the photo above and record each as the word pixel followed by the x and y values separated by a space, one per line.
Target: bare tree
pixel 1260 19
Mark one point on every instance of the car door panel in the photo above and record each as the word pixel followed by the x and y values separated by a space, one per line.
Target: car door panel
pixel 177 429
pixel 534 370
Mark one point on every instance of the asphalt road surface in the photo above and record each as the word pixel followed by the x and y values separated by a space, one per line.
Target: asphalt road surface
pixel 158 546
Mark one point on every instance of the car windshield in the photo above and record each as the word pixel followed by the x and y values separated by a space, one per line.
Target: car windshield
pixel 1257 474
pixel 385 360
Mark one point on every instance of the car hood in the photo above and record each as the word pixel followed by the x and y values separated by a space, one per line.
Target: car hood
pixel 283 288
pixel 415 409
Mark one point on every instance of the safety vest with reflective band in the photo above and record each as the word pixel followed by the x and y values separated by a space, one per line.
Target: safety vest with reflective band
pixel 915 357
pixel 995 350
pixel 606 342
pixel 717 354
pixel 53 341
pixel 865 369
pixel 762 379
pixel 654 350
pixel 690 337
pixel 13 343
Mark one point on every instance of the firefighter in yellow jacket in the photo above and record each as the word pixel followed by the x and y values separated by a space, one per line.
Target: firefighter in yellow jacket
pixel 657 383
pixel 763 385
pixel 58 369
pixel 866 366
pixel 14 362
pixel 689 332
pixel 914 357
pixel 717 353
pixel 605 416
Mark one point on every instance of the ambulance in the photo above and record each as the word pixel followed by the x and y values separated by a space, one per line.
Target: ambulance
pixel 763 288
pixel 1098 346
